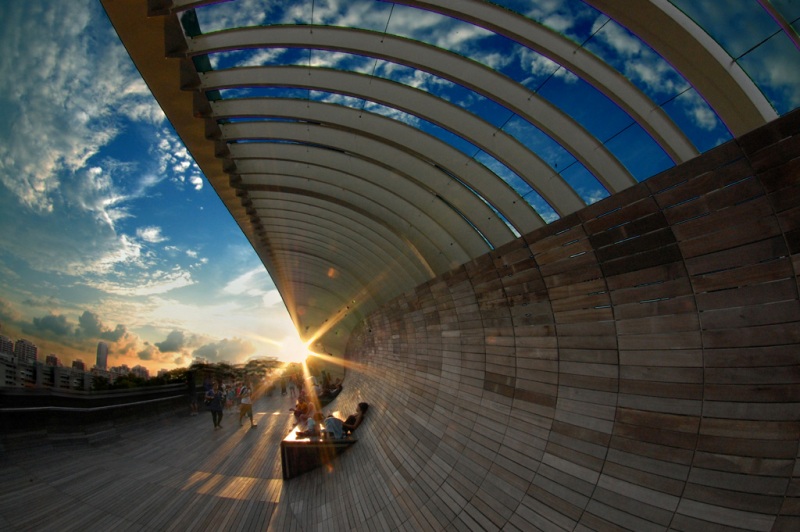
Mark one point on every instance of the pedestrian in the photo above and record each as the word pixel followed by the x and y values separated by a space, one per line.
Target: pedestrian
pixel 292 386
pixel 215 400
pixel 246 404
pixel 230 397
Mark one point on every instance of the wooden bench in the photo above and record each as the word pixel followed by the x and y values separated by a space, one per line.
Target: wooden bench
pixel 300 454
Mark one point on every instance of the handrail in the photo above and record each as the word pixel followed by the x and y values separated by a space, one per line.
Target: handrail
pixel 88 409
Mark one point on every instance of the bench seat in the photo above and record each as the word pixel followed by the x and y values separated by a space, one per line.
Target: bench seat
pixel 300 454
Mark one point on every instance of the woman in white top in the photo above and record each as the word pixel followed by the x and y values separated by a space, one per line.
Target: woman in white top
pixel 246 405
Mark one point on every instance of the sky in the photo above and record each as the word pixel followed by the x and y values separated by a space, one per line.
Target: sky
pixel 109 231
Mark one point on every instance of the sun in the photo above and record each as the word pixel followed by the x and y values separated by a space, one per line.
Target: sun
pixel 293 349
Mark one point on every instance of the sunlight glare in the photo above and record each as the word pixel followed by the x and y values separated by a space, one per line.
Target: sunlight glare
pixel 293 349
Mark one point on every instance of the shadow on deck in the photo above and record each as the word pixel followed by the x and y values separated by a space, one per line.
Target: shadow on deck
pixel 177 473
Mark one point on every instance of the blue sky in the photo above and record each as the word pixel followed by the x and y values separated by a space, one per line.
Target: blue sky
pixel 108 231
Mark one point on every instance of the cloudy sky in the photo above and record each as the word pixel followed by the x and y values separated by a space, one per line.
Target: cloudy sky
pixel 108 230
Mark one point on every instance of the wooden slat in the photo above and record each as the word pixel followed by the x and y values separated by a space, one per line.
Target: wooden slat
pixel 631 366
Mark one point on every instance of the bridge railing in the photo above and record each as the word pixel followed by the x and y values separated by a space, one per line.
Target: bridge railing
pixel 66 415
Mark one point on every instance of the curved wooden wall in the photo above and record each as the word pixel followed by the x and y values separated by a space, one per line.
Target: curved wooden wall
pixel 634 365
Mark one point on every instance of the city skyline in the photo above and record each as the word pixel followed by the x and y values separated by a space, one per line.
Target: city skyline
pixel 109 230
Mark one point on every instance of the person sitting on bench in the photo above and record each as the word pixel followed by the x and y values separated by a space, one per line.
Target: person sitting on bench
pixel 339 429
pixel 312 426
pixel 354 420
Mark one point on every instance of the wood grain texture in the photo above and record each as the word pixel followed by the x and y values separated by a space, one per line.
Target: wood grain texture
pixel 639 360
pixel 634 366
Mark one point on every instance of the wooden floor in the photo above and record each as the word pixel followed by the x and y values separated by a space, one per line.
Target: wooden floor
pixel 176 473
pixel 635 366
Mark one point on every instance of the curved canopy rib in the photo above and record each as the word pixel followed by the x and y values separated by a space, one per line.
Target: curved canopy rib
pixel 526 164
pixel 719 79
pixel 483 80
pixel 577 60
pixel 349 208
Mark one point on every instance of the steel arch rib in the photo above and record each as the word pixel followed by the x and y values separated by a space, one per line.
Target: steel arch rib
pixel 528 165
pixel 347 280
pixel 431 235
pixel 333 300
pixel 372 237
pixel 391 242
pixel 291 236
pixel 372 276
pixel 404 137
pixel 362 146
pixel 342 289
pixel 430 257
pixel 402 273
pixel 258 159
pixel 702 61
pixel 431 245
pixel 577 60
pixel 346 188
pixel 366 296
pixel 421 241
pixel 562 128
pixel 391 133
pixel 314 180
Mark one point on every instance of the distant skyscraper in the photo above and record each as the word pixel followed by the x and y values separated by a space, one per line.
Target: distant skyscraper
pixel 102 355
pixel 52 360
pixel 26 351
pixel 6 345
pixel 78 364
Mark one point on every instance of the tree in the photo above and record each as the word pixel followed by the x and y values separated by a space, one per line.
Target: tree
pixel 100 383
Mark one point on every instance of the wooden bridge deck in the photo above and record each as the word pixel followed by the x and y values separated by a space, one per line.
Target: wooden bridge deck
pixel 175 473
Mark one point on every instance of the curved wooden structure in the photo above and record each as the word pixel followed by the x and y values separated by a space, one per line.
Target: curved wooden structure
pixel 436 131
pixel 632 366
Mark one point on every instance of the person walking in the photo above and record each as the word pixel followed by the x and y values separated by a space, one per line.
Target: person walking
pixel 215 400
pixel 246 404
pixel 292 386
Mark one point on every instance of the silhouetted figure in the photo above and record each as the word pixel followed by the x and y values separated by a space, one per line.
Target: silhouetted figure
pixel 354 420
pixel 215 400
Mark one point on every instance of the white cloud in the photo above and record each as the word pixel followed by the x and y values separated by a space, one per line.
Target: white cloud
pixel 782 76
pixel 393 113
pixel 540 66
pixel 622 42
pixel 151 234
pixel 175 160
pixel 265 326
pixel 234 14
pixel 196 182
pixel 64 92
pixel 255 282
pixel 149 283
pixel 71 91
pixel 271 297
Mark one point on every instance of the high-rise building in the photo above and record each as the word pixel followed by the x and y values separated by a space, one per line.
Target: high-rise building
pixel 102 355
pixel 6 345
pixel 78 364
pixel 26 351
pixel 52 360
